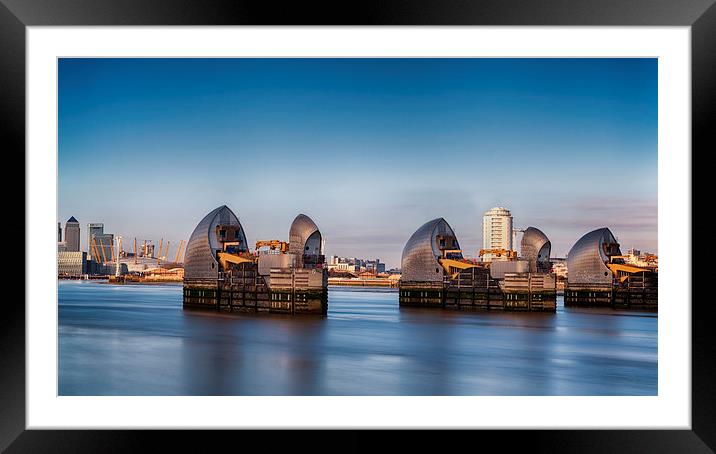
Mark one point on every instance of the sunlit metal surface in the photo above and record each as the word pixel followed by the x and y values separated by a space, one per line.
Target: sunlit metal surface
pixel 586 261
pixel 419 262
pixel 200 259
pixel 535 248
pixel 304 239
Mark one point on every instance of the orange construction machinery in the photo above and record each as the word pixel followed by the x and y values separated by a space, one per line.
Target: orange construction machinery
pixel 510 255
pixel 274 245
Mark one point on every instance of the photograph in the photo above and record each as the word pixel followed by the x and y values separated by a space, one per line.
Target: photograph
pixel 413 220
pixel 358 226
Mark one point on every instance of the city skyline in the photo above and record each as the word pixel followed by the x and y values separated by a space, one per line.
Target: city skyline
pixel 369 148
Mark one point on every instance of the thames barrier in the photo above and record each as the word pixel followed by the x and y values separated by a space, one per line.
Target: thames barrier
pixel 435 274
pixel 599 276
pixel 221 274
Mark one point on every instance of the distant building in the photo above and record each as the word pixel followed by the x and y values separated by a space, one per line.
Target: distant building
pixel 106 269
pixel 345 267
pixel 72 235
pixel 354 264
pixel 374 266
pixel 92 230
pixel 102 243
pixel 496 231
pixel 105 247
pixel 635 252
pixel 71 263
pixel 644 260
pixel 61 245
pixel 559 268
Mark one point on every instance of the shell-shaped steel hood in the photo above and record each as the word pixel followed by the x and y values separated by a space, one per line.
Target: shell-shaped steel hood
pixel 419 262
pixel 587 260
pixel 200 258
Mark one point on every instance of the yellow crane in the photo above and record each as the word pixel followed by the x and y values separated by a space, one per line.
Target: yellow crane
pixel 274 245
pixel 511 255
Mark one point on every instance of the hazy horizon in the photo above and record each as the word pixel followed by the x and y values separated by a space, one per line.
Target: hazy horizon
pixel 369 148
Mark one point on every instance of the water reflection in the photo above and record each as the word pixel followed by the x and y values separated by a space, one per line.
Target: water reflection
pixel 136 340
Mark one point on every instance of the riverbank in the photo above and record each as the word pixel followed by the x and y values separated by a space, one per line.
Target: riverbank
pixel 363 282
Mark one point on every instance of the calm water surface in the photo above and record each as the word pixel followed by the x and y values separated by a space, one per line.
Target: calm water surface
pixel 137 340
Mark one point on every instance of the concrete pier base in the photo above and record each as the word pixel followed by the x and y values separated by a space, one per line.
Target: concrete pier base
pixel 474 290
pixel 587 297
pixel 252 298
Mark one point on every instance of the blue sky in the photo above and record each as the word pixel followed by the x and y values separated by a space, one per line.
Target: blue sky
pixel 369 148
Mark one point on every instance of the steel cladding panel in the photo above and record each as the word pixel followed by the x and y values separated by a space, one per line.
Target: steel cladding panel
pixel 498 268
pixel 301 230
pixel 419 262
pixel 200 260
pixel 586 261
pixel 536 248
pixel 268 261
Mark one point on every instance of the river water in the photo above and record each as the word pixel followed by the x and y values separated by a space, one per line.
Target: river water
pixel 137 340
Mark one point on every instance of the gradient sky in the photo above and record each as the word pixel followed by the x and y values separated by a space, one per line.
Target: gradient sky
pixel 369 148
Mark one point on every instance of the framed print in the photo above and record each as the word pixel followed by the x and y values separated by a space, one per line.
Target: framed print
pixel 434 217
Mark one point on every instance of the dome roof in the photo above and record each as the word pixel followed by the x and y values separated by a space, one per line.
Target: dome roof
pixel 200 258
pixel 535 248
pixel 586 261
pixel 419 262
pixel 302 230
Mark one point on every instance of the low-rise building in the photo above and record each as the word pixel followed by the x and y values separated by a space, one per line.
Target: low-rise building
pixel 71 263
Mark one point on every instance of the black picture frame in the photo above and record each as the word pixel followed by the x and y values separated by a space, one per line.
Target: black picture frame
pixel 700 15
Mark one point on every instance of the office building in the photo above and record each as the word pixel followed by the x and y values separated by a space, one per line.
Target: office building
pixel 72 235
pixel 71 263
pixel 496 232
pixel 104 245
pixel 92 230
